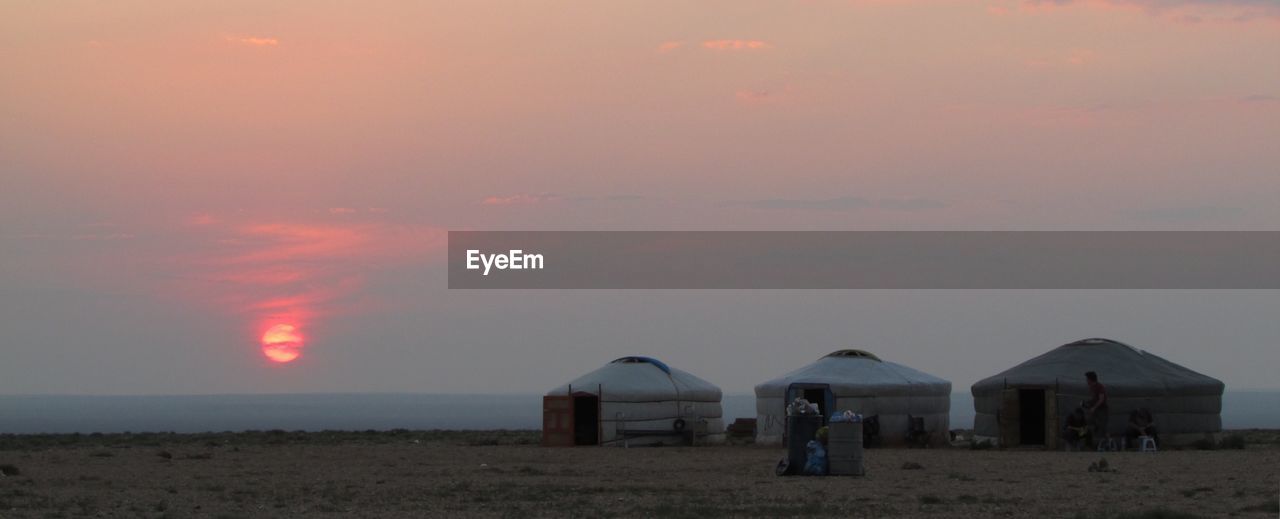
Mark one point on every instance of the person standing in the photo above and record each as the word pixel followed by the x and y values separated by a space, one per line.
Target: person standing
pixel 1097 407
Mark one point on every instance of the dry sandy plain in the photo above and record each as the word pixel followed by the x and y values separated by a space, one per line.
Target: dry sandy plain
pixel 424 473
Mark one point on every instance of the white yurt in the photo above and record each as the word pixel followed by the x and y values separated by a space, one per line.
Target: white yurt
pixel 858 381
pixel 633 401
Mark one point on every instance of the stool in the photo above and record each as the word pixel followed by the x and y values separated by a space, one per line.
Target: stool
pixel 1146 444
pixel 1107 445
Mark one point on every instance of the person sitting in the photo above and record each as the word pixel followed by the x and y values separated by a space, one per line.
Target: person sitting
pixel 1076 432
pixel 1141 423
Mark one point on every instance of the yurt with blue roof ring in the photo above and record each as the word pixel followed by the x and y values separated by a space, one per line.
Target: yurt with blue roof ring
pixel 633 401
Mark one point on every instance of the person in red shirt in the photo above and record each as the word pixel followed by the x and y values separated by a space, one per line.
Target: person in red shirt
pixel 1097 407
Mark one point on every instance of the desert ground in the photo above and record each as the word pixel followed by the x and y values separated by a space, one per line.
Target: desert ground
pixel 497 473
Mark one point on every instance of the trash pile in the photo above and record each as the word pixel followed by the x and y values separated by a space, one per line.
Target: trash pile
pixel 821 447
pixel 802 407
pixel 816 462
pixel 846 416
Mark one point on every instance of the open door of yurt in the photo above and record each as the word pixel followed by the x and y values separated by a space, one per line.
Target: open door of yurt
pixel 1009 417
pixel 1028 417
pixel 569 420
pixel 557 421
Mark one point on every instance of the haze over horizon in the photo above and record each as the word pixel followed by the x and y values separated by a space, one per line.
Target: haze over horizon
pixel 179 179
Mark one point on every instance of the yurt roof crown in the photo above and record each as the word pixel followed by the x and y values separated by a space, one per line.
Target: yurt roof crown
pixel 855 354
pixel 644 360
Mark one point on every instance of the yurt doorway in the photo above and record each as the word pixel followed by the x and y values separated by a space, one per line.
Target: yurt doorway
pixel 1028 416
pixel 1031 416
pixel 569 420
pixel 586 419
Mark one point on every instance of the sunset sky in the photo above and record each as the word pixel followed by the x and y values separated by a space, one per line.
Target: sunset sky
pixel 176 178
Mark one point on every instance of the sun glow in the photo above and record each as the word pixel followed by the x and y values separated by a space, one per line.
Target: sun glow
pixel 282 343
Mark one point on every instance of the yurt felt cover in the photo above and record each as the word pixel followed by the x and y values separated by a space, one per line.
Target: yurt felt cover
pixel 1183 400
pixel 643 394
pixel 642 379
pixel 851 374
pixel 864 383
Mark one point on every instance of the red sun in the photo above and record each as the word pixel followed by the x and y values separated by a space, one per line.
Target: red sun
pixel 282 343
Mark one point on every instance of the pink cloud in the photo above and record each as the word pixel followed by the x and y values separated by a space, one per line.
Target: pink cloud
pixel 755 97
pixel 254 41
pixel 1079 57
pixel 262 272
pixel 293 272
pixel 1074 58
pixel 266 276
pixel 1182 11
pixel 735 44
pixel 276 241
pixel 519 199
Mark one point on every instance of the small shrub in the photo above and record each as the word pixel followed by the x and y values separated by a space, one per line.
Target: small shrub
pixel 911 465
pixel 1157 513
pixel 1191 492
pixel 1204 444
pixel 482 442
pixel 1233 441
pixel 9 470
pixel 1270 506
pixel 930 499
pixel 992 499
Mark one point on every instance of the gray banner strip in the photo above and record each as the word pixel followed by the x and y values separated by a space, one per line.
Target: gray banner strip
pixel 864 260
